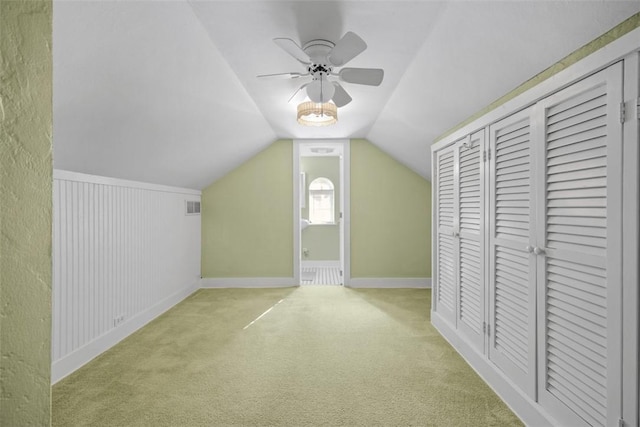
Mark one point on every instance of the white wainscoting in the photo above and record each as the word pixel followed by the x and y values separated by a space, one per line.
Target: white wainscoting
pixel 123 253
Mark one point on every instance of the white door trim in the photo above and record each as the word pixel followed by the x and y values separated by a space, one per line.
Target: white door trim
pixel 301 146
pixel 297 231
pixel 631 247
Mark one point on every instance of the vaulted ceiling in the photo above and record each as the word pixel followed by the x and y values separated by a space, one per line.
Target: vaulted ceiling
pixel 166 91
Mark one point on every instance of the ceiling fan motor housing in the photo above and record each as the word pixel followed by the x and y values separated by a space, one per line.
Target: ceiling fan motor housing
pixel 320 90
pixel 320 56
pixel 318 50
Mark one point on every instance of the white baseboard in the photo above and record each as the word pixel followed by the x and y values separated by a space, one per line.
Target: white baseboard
pixel 390 282
pixel 78 358
pixel 528 411
pixel 247 282
pixel 320 263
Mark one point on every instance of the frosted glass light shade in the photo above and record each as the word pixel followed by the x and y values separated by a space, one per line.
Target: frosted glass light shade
pixel 320 90
pixel 314 114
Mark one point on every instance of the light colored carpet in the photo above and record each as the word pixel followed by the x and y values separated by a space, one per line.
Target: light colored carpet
pixel 323 356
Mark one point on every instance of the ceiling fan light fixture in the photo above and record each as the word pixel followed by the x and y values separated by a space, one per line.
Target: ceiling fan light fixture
pixel 319 57
pixel 317 114
pixel 320 91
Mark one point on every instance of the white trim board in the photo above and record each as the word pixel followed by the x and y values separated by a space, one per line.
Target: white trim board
pixel 390 282
pixel 105 180
pixel 297 229
pixel 631 248
pixel 346 213
pixel 83 355
pixel 247 282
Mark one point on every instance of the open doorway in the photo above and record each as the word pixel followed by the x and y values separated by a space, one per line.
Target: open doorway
pixel 320 211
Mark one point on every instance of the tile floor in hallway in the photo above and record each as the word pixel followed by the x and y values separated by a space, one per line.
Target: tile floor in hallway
pixel 321 276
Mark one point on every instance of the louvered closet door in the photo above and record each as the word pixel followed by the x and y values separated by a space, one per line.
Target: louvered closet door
pixel 447 251
pixel 579 269
pixel 470 234
pixel 511 265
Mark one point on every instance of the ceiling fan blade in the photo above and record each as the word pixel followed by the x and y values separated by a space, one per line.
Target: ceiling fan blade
pixel 340 97
pixel 298 91
pixel 362 76
pixel 347 48
pixel 293 49
pixel 281 75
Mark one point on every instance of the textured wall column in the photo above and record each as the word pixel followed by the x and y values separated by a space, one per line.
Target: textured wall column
pixel 25 212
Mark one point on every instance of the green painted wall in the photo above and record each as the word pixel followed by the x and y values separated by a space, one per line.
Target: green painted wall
pixel 616 32
pixel 25 212
pixel 247 228
pixel 390 216
pixel 321 241
pixel 247 218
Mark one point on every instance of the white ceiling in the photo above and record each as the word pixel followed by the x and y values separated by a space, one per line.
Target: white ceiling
pixel 166 91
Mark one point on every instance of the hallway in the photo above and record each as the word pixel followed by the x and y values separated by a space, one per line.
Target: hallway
pixel 321 276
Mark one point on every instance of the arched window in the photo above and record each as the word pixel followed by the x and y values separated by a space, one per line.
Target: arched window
pixel 321 201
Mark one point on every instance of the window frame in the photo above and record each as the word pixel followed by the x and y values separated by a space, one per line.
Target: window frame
pixel 328 192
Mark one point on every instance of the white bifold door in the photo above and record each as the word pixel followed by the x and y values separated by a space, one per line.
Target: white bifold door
pixel 469 239
pixel 578 250
pixel 555 185
pixel 528 272
pixel 444 298
pixel 512 295
pixel 459 292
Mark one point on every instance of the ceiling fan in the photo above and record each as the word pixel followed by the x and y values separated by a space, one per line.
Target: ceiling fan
pixel 320 58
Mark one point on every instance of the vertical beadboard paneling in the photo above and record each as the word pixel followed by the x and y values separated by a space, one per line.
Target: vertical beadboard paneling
pixel 121 249
pixel 55 296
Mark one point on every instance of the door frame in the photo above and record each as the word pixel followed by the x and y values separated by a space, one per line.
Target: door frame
pixel 300 146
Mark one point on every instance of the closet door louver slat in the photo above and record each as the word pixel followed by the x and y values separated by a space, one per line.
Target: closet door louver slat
pixel 471 308
pixel 579 348
pixel 511 267
pixel 446 276
pixel 446 270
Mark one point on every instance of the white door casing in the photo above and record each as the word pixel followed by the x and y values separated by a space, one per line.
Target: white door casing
pixel 339 148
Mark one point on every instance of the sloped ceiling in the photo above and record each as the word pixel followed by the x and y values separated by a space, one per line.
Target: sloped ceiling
pixel 166 91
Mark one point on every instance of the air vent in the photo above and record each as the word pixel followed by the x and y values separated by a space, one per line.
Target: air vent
pixel 322 150
pixel 193 207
